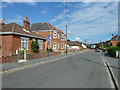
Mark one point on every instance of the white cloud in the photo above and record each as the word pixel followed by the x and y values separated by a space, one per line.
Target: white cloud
pixel 59 17
pixel 53 20
pixel 60 0
pixel 43 11
pixel 77 38
pixel 98 18
pixel 9 2
pixel 17 19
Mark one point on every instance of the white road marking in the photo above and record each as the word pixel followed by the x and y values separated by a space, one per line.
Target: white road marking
pixel 110 79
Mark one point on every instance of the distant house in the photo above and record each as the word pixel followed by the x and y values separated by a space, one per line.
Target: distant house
pixel 115 40
pixel 15 37
pixel 56 37
pixel 84 46
pixel 74 45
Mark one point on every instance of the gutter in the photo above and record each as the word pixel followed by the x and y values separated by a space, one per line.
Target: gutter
pixel 3 33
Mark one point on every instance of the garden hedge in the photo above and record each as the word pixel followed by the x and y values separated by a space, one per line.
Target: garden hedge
pixel 112 51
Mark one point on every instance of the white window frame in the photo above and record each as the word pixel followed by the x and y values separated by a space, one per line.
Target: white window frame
pixel 40 45
pixel 62 46
pixel 62 38
pixel 54 45
pixel 24 41
pixel 54 34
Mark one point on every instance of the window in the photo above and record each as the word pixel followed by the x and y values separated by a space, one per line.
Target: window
pixel 40 42
pixel 54 34
pixel 24 42
pixel 62 46
pixel 62 38
pixel 54 45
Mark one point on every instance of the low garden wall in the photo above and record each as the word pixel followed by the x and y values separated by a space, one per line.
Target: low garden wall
pixel 15 58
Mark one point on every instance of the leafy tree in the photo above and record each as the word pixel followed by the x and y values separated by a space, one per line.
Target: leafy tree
pixel 118 44
pixel 35 46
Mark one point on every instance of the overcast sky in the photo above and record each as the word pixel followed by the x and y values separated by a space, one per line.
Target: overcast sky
pixel 95 21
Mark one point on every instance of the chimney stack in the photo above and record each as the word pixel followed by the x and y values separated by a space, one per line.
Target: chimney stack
pixel 117 36
pixel 3 21
pixel 26 24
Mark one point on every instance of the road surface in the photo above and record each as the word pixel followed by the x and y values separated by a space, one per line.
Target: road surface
pixel 80 70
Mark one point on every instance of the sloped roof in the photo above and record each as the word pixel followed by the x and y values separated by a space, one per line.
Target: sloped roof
pixel 74 43
pixel 13 27
pixel 60 31
pixel 116 37
pixel 42 26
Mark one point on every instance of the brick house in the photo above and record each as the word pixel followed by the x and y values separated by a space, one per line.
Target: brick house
pixel 57 37
pixel 14 37
pixel 115 40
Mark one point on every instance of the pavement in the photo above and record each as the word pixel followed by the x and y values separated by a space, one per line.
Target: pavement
pixel 114 64
pixel 77 70
pixel 11 65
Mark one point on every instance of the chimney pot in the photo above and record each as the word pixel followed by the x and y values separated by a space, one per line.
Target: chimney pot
pixel 3 21
pixel 26 24
pixel 26 18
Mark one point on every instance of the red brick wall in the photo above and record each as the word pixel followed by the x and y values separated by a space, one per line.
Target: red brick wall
pixel 16 44
pixel 6 45
pixel 44 33
pixel 53 40
pixel 29 57
pixel 114 43
pixel 11 43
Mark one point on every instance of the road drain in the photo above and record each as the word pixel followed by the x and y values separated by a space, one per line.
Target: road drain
pixel 112 77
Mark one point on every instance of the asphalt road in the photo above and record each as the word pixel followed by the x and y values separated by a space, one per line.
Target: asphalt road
pixel 81 70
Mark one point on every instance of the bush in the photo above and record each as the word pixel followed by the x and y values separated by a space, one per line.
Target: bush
pixel 112 51
pixel 35 46
pixel 118 44
pixel 22 52
pixel 49 50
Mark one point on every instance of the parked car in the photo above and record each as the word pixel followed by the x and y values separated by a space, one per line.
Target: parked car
pixel 97 50
pixel 104 50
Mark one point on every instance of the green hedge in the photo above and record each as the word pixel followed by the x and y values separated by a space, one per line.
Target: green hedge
pixel 35 46
pixel 112 51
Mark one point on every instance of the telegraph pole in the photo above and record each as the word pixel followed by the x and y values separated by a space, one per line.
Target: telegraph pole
pixel 66 26
pixel 85 40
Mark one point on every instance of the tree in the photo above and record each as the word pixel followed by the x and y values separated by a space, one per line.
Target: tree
pixel 68 40
pixel 35 46
pixel 118 44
